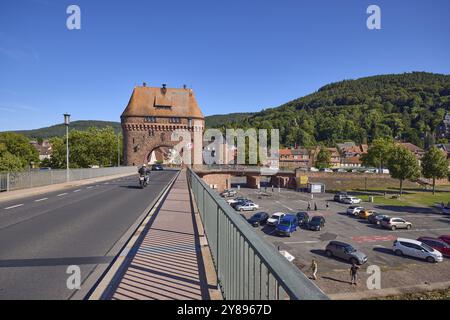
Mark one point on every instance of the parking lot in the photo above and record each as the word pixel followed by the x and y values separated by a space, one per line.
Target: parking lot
pixel 376 243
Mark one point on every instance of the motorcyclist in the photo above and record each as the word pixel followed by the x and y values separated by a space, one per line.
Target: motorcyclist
pixel 144 171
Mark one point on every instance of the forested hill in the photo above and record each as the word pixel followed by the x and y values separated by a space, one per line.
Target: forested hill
pixel 59 130
pixel 406 106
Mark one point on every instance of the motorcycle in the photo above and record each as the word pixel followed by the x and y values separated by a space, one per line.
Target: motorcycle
pixel 143 181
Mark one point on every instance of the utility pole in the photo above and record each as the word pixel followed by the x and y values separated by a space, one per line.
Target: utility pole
pixel 67 122
pixel 118 149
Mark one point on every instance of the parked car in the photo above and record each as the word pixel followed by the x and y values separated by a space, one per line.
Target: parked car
pixel 258 219
pixel 313 169
pixel 236 200
pixel 395 223
pixel 354 210
pixel 417 249
pixel 345 251
pixel 246 206
pixel 376 218
pixel 303 218
pixel 228 193
pixel 157 167
pixel 365 214
pixel 287 225
pixel 446 239
pixel 275 218
pixel 338 197
pixel 316 223
pixel 437 244
pixel 351 200
pixel 325 170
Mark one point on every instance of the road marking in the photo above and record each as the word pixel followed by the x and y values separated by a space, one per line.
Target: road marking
pixel 77 190
pixel 299 242
pixel 62 194
pixel 362 239
pixel 283 205
pixel 13 207
pixel 420 230
pixel 89 187
pixel 39 200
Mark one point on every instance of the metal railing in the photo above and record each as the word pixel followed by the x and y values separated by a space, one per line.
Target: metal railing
pixel 248 268
pixel 24 180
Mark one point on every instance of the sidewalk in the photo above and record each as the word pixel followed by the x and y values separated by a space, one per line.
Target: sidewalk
pixel 167 263
pixel 17 194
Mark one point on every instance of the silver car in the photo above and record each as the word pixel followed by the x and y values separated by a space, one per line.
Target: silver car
pixel 395 223
pixel 248 206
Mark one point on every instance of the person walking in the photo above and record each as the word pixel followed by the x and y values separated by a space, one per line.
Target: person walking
pixel 354 274
pixel 315 206
pixel 313 269
pixel 309 206
pixel 328 205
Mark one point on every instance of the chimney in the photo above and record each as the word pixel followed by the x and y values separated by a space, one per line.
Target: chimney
pixel 144 84
pixel 164 89
pixel 184 86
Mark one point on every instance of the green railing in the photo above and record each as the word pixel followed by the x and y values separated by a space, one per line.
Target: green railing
pixel 248 267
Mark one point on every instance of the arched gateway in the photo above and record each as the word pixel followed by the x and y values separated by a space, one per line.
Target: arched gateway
pixel 150 118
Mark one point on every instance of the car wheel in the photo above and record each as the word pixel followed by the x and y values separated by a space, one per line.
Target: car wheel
pixel 241 210
pixel 408 227
pixel 398 252
pixel 393 228
pixel 431 260
pixel 329 253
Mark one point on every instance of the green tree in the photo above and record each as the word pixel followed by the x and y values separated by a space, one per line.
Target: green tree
pixel 434 165
pixel 16 148
pixel 403 165
pixel 378 153
pixel 323 159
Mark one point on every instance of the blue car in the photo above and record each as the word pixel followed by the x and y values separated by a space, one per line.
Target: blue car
pixel 287 225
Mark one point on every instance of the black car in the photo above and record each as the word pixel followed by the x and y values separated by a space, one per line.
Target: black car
pixel 303 218
pixel 157 167
pixel 316 223
pixel 376 218
pixel 258 219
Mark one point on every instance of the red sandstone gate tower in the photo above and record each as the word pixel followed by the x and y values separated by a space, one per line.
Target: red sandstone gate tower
pixel 151 116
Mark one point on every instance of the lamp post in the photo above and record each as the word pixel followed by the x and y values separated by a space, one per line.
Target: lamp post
pixel 67 122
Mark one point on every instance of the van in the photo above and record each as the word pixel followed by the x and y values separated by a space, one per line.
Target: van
pixel 287 225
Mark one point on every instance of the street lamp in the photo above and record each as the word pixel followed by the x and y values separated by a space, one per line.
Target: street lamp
pixel 67 122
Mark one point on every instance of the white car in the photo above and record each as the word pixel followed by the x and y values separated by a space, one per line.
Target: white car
pixel 312 169
pixel 275 218
pixel 248 206
pixel 235 200
pixel 417 249
pixel 354 210
pixel 351 200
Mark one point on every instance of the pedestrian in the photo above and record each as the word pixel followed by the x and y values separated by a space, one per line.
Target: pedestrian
pixel 313 269
pixel 309 206
pixel 354 274
pixel 315 206
pixel 328 205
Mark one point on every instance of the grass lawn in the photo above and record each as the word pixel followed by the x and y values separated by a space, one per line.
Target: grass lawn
pixel 410 197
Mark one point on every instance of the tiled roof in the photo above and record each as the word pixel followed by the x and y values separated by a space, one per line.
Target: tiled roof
pixel 162 102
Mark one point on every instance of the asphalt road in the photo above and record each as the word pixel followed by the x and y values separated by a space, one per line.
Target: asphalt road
pixel 40 237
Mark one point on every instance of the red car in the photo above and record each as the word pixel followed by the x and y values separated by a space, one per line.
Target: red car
pixel 446 239
pixel 437 244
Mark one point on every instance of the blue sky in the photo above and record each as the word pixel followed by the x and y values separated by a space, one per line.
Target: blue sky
pixel 238 55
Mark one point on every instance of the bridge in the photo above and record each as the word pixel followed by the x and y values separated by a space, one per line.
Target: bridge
pixel 176 239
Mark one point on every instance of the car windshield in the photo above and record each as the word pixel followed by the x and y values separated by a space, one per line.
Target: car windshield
pixel 285 223
pixel 350 249
pixel 427 247
pixel 256 216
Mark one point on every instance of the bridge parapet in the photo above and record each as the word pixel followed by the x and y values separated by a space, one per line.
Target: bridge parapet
pixel 248 267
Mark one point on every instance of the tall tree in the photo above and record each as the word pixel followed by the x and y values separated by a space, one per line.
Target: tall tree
pixel 323 159
pixel 435 165
pixel 378 153
pixel 16 152
pixel 403 165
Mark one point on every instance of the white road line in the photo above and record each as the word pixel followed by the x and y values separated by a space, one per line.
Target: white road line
pixel 39 200
pixel 77 190
pixel 89 187
pixel 13 207
pixel 298 242
pixel 62 194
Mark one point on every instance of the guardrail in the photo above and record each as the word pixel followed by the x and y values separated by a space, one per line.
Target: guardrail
pixel 248 268
pixel 24 180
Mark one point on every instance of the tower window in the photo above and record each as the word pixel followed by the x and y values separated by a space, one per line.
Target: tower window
pixel 174 120
pixel 150 119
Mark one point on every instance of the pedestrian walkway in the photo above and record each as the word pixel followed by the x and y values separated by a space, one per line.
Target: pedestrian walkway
pixel 167 262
